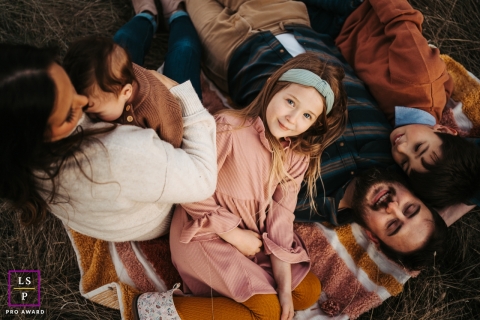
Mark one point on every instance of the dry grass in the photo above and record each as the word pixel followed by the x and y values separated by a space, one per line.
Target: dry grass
pixel 452 26
pixel 48 249
pixel 450 291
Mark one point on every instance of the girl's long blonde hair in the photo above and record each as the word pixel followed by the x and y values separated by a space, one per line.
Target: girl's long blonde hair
pixel 319 136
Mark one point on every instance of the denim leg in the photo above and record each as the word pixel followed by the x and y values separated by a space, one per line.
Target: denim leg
pixel 136 36
pixel 339 7
pixel 182 61
pixel 328 16
pixel 322 21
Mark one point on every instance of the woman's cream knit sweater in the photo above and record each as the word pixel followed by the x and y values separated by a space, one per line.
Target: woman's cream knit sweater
pixel 137 177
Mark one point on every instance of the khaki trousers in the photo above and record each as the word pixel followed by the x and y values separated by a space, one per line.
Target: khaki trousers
pixel 224 25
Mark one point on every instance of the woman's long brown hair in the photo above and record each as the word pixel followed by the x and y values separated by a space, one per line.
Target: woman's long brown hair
pixel 320 135
pixel 28 95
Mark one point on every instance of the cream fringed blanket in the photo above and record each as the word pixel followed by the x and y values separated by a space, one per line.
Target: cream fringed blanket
pixel 352 272
pixel 113 273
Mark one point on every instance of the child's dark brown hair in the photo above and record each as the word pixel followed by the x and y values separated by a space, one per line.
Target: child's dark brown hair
pixel 454 175
pixel 99 60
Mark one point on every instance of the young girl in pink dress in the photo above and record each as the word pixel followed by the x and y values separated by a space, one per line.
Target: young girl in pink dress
pixel 237 252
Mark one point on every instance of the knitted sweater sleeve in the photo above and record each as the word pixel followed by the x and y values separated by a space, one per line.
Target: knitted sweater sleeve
pixel 191 173
pixel 148 169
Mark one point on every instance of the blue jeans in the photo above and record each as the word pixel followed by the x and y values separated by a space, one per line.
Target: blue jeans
pixel 136 36
pixel 182 61
pixel 328 16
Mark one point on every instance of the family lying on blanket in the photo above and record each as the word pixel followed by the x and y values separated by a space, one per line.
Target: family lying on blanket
pixel 305 142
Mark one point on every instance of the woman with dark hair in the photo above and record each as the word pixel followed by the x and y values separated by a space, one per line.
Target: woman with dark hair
pixel 116 183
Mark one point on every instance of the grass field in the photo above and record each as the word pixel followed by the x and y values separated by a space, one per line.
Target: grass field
pixel 451 290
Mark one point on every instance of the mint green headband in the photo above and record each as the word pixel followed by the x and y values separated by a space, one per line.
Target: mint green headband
pixel 310 79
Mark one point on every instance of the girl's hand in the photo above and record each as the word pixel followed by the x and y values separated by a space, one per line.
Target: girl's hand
pixel 346 201
pixel 246 241
pixel 282 272
pixel 287 305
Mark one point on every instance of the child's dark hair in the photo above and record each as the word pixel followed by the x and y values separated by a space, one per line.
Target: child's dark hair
pixel 453 177
pixel 95 59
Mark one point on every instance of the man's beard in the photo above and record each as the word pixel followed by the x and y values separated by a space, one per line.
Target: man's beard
pixel 363 185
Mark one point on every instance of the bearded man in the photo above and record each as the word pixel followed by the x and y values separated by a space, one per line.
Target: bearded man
pixel 405 229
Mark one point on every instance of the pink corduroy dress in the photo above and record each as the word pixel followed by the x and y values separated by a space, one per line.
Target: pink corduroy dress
pixel 209 265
